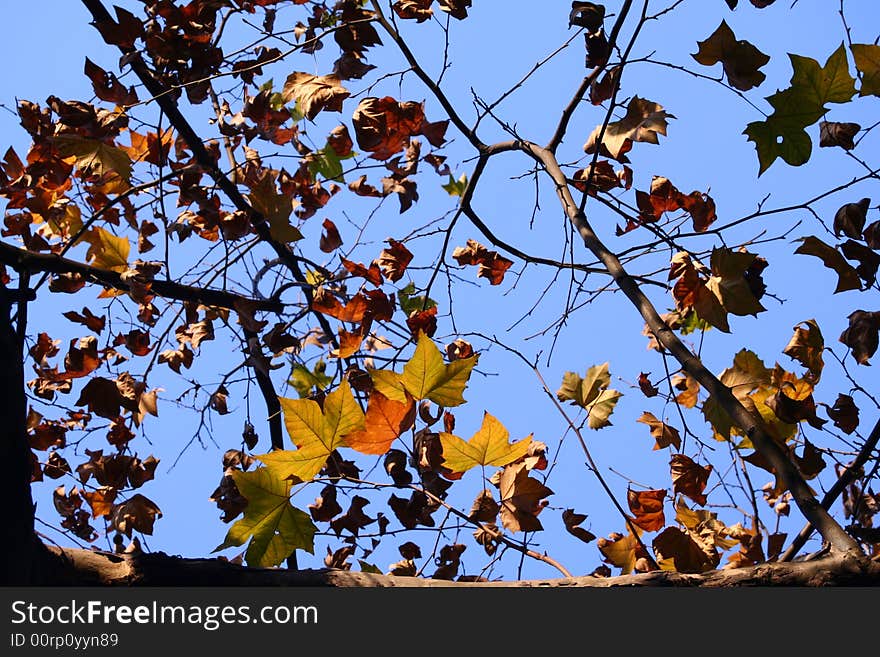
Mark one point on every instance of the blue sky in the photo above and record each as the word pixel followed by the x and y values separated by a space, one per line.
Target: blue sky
pixel 704 150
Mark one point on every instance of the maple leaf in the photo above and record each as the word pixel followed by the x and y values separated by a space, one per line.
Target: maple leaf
pixel 522 499
pixel 644 121
pixel 850 218
pixel 591 393
pixel 394 260
pixel 847 276
pixel 647 507
pixel 620 551
pixel 689 478
pixel 385 420
pixel 783 133
pixel 488 446
pixel 330 239
pixel 572 520
pixel 862 335
pixel 867 58
pixel 729 282
pixel 275 207
pixel 95 156
pixel 834 133
pixel 274 526
pixel 806 347
pixel 844 413
pixel 663 434
pixel 491 265
pixel 316 432
pixel 740 59
pixel 138 513
pixel 425 376
pixel 107 251
pixel 383 126
pixel 314 93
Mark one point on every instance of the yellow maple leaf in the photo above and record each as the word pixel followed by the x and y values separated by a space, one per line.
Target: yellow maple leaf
pixel 488 446
pixel 315 433
pixel 108 251
pixel 426 376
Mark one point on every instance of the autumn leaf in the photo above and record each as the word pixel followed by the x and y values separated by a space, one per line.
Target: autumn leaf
pixel 729 284
pixel 844 413
pixel 686 555
pixel 491 265
pixel 330 239
pixel 385 420
pixel 522 499
pixel 620 551
pixel 316 432
pixel 107 251
pixel 689 478
pixel 572 521
pixel 647 508
pixel 740 59
pixel 644 121
pixel 314 93
pixel 274 526
pixel 663 434
pixel 833 133
pixel 394 260
pixel 138 513
pixel 425 376
pixel 591 393
pixel 488 446
pixel 456 187
pixel 383 126
pixel 847 276
pixel 806 347
pixel 862 335
pixel 275 207
pixel 867 58
pixel 94 156
pixel 850 218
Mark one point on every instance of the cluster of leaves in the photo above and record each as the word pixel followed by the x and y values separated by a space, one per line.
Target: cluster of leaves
pixel 91 184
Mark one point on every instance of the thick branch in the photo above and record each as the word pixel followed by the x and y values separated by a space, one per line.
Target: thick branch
pixel 848 476
pixel 819 517
pixel 28 261
pixel 90 568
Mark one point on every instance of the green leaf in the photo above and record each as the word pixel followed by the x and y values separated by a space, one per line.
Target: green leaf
pixel 369 568
pixel 867 58
pixel 456 187
pixel 783 133
pixel 488 446
pixel 774 139
pixel 426 376
pixel 276 528
pixel 410 302
pixel 305 380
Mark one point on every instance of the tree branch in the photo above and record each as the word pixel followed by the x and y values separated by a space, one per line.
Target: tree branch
pixel 28 261
pixel 819 517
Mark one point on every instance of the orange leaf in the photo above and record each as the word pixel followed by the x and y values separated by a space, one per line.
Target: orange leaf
pixel 647 506
pixel 385 420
